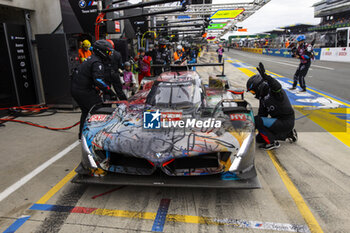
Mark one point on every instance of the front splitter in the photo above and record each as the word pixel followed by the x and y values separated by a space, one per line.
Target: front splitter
pixel 211 181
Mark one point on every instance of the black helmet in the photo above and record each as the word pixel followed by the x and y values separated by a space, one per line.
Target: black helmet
pixel 103 49
pixel 253 82
pixel 257 84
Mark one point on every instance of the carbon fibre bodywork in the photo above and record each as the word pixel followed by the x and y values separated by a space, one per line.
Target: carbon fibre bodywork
pixel 115 144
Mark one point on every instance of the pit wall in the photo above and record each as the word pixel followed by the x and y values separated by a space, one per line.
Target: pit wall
pixel 323 54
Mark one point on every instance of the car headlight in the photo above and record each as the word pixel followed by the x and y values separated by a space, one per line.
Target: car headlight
pixel 87 151
pixel 242 151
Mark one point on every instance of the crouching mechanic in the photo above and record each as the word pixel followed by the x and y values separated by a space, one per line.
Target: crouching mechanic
pixel 273 101
pixel 87 80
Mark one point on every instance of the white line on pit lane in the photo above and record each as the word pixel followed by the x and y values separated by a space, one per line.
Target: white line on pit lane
pixel 263 225
pixel 35 172
pixel 294 64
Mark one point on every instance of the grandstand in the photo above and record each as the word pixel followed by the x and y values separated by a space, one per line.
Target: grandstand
pixel 334 29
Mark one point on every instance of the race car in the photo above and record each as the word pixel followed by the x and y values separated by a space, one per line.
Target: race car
pixel 175 132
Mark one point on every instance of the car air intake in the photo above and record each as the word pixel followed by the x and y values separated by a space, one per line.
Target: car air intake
pixel 200 161
pixel 124 160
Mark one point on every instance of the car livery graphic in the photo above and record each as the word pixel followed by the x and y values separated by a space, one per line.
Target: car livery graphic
pixel 123 142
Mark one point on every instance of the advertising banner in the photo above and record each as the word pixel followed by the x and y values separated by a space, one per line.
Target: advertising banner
pixel 335 54
pixel 253 50
pixel 317 53
pixel 215 26
pixel 227 14
pixel 79 16
pixel 282 52
pixel 277 52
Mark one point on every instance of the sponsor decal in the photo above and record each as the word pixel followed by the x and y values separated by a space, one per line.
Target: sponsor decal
pixel 95 118
pixel 238 117
pixel 82 4
pixel 171 116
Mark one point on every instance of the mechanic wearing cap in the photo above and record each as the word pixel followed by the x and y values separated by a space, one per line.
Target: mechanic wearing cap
pixel 144 63
pixel 87 80
pixel 84 51
pixel 179 55
pixel 112 77
pixel 273 101
pixel 304 53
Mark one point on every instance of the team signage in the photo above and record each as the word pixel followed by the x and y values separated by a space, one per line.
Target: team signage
pixel 79 16
pixel 227 14
pixel 21 63
pixel 215 26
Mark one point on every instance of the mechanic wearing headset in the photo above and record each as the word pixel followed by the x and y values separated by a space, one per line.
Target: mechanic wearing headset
pixel 112 77
pixel 87 80
pixel 273 101
pixel 304 53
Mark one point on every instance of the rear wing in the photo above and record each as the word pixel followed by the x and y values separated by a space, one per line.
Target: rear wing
pixel 174 67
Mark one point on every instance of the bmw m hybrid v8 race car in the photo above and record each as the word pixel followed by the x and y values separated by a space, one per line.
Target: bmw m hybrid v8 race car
pixel 175 131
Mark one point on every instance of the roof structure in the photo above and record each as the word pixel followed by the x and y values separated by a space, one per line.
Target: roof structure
pixel 204 11
pixel 331 7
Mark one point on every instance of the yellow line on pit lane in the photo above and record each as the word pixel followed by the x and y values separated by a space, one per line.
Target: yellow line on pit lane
pixel 246 71
pixel 125 214
pixel 57 187
pixel 298 199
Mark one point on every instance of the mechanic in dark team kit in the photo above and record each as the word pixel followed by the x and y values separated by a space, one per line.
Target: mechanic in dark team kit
pixel 87 80
pixel 162 57
pixel 273 101
pixel 112 76
pixel 304 52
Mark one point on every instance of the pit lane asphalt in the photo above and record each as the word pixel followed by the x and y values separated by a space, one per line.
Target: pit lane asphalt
pixel 318 165
pixel 331 77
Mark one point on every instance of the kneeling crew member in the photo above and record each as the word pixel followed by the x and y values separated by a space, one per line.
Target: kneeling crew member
pixel 87 81
pixel 273 101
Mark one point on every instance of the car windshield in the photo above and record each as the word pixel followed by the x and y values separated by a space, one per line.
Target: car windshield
pixel 174 95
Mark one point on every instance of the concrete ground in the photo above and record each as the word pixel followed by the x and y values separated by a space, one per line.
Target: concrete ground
pixel 305 185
